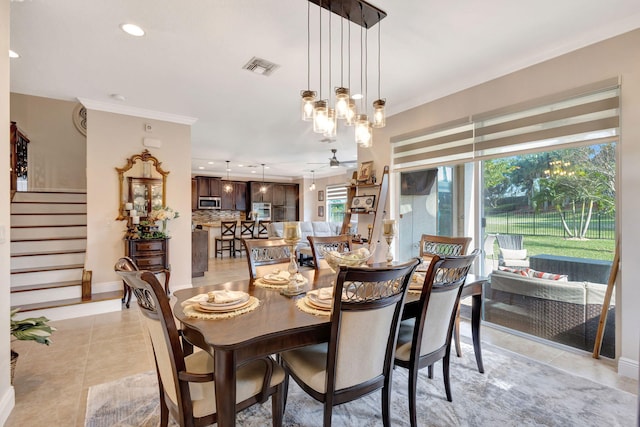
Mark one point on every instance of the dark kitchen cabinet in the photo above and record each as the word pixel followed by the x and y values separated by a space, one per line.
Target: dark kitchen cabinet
pixel 208 186
pixel 236 199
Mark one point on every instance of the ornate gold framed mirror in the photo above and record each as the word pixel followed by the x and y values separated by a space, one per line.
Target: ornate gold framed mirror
pixel 146 185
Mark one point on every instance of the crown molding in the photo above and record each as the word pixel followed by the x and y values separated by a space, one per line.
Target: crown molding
pixel 108 107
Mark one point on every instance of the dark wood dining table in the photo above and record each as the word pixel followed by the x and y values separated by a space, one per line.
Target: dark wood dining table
pixel 276 325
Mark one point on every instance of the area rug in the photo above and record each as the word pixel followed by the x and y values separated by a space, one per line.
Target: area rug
pixel 513 391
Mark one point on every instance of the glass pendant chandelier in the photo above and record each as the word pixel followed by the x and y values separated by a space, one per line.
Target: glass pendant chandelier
pixel 379 119
pixel 312 187
pixel 263 189
pixel 364 136
pixel 331 125
pixel 308 96
pixel 228 188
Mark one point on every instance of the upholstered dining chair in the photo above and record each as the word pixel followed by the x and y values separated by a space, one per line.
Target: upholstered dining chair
pixel 358 358
pixel 426 339
pixel 265 255
pixel 187 390
pixel 227 238
pixel 246 232
pixel 126 263
pixel 445 246
pixel 318 244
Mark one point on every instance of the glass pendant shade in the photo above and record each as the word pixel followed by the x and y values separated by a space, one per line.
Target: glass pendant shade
pixel 320 116
pixel 352 113
pixel 364 137
pixel 379 119
pixel 228 188
pixel 331 124
pixel 308 100
pixel 342 102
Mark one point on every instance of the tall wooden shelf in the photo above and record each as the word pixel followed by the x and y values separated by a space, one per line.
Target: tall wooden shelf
pixel 380 191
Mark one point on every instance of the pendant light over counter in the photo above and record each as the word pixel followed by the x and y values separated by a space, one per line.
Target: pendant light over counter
pixel 325 113
pixel 312 187
pixel 228 188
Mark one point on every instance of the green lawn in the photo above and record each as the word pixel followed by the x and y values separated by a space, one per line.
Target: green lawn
pixel 595 249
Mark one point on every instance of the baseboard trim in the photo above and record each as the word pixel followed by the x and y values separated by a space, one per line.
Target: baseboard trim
pixel 628 368
pixel 7 403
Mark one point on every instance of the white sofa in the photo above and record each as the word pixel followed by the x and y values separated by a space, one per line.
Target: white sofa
pixel 308 228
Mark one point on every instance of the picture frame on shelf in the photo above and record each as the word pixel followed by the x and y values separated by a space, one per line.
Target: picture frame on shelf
pixel 363 203
pixel 364 171
pixel 321 195
pixel 321 211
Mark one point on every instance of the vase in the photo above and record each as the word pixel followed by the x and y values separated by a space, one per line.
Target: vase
pixel 164 227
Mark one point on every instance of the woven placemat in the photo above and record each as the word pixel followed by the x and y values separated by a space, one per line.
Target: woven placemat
pixel 303 305
pixel 262 284
pixel 190 311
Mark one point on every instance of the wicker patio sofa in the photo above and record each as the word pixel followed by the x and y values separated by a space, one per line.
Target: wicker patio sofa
pixel 560 311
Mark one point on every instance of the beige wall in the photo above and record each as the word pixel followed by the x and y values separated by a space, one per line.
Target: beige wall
pixel 111 140
pixel 611 58
pixel 54 140
pixel 7 396
pixel 309 199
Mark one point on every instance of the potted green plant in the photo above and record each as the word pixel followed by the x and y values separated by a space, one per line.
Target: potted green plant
pixel 29 329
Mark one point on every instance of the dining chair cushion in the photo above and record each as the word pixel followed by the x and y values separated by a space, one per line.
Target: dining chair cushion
pixel 248 377
pixel 248 383
pixel 355 362
pixel 436 323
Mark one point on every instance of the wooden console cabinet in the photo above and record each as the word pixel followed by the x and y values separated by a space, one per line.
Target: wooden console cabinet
pixel 149 254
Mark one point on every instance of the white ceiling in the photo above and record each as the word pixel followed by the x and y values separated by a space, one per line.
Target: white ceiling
pixel 190 61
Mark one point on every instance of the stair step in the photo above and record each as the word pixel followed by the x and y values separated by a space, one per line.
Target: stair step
pixel 51 268
pixel 48 219
pixel 48 226
pixel 42 286
pixel 26 246
pixel 49 196
pixel 42 239
pixel 33 208
pixel 102 296
pixel 63 252
pixel 19 233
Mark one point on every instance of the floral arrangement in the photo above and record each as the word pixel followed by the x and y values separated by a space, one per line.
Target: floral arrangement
pixel 162 214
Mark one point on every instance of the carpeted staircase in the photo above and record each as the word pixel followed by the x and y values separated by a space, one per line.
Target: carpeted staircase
pixel 48 244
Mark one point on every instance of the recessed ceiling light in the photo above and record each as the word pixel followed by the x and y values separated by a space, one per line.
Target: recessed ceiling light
pixel 132 29
pixel 200 167
pixel 253 171
pixel 13 54
pixel 357 96
pixel 210 163
pixel 240 166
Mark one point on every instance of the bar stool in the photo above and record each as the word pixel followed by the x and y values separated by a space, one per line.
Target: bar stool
pixel 246 232
pixel 263 232
pixel 227 238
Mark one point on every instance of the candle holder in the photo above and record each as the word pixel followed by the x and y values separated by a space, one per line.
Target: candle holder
pixel 389 232
pixel 292 235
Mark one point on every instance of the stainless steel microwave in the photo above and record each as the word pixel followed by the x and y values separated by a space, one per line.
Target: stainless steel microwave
pixel 209 202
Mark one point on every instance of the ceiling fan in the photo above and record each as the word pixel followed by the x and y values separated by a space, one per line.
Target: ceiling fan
pixel 334 162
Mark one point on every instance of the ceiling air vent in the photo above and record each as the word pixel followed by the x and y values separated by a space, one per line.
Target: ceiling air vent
pixel 260 66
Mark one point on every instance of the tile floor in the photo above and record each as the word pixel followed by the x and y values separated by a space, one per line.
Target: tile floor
pixel 51 383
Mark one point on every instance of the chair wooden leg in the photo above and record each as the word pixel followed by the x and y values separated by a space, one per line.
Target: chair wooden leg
pixel 328 410
pixel 386 405
pixel 277 405
pixel 456 333
pixel 413 384
pixel 445 374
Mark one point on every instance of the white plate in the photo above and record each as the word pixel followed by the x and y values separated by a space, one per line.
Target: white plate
pixel 213 305
pixel 275 279
pixel 222 309
pixel 316 306
pixel 323 303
